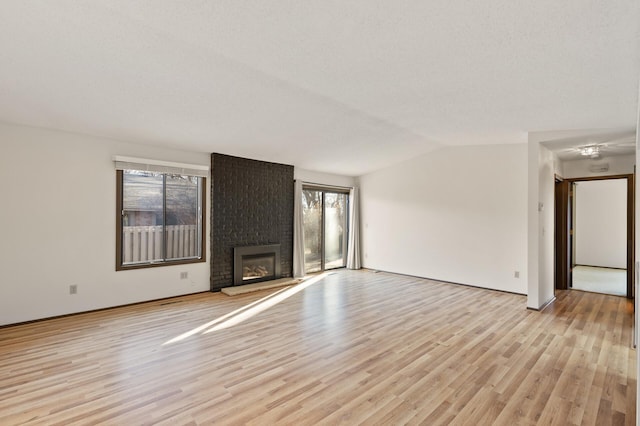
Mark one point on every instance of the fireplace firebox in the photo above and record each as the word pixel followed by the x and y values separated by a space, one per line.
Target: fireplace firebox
pixel 256 263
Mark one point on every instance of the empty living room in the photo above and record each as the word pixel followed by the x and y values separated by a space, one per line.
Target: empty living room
pixel 318 213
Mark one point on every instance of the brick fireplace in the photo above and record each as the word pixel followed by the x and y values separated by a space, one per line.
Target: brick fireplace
pixel 251 206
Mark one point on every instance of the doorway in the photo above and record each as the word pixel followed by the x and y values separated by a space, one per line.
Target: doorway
pixel 324 214
pixel 594 234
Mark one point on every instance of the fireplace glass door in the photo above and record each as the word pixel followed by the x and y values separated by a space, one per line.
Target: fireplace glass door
pixel 258 267
pixel 325 228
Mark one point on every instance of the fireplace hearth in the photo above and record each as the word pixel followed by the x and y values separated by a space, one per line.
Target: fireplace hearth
pixel 253 264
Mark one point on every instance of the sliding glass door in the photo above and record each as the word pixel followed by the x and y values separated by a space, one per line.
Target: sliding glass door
pixel 312 209
pixel 335 230
pixel 325 228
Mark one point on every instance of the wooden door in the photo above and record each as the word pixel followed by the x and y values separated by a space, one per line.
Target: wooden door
pixel 562 235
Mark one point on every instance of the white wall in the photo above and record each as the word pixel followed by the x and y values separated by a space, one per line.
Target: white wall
pixel 540 207
pixel 558 165
pixel 618 165
pixel 601 223
pixel 58 195
pixel 323 178
pixel 457 214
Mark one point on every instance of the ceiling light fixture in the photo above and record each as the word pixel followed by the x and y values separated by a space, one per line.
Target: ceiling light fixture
pixel 592 151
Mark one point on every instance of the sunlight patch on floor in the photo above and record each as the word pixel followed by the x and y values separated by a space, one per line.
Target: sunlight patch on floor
pixel 264 305
pixel 248 311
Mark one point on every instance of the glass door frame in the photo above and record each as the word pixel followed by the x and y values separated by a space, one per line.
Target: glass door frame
pixel 345 235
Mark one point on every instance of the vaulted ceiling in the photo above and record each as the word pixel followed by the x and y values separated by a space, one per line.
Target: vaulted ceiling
pixel 336 86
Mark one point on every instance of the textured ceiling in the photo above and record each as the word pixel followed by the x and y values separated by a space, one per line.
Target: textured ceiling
pixel 336 86
pixel 610 144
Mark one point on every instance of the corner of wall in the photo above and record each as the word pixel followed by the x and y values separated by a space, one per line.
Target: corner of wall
pixel 540 224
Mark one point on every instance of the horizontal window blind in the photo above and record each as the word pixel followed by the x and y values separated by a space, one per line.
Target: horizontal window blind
pixel 159 166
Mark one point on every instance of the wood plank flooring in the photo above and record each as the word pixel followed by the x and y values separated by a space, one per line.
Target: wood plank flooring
pixel 354 347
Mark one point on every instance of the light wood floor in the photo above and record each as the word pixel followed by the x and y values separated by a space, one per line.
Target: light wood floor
pixel 354 347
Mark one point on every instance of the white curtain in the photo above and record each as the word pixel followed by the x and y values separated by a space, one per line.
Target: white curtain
pixel 353 248
pixel 298 232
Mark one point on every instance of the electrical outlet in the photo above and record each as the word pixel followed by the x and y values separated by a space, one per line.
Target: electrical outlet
pixel 184 275
pixel 516 274
pixel 73 289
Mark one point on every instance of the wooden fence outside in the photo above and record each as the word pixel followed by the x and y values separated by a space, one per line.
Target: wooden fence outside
pixel 144 243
